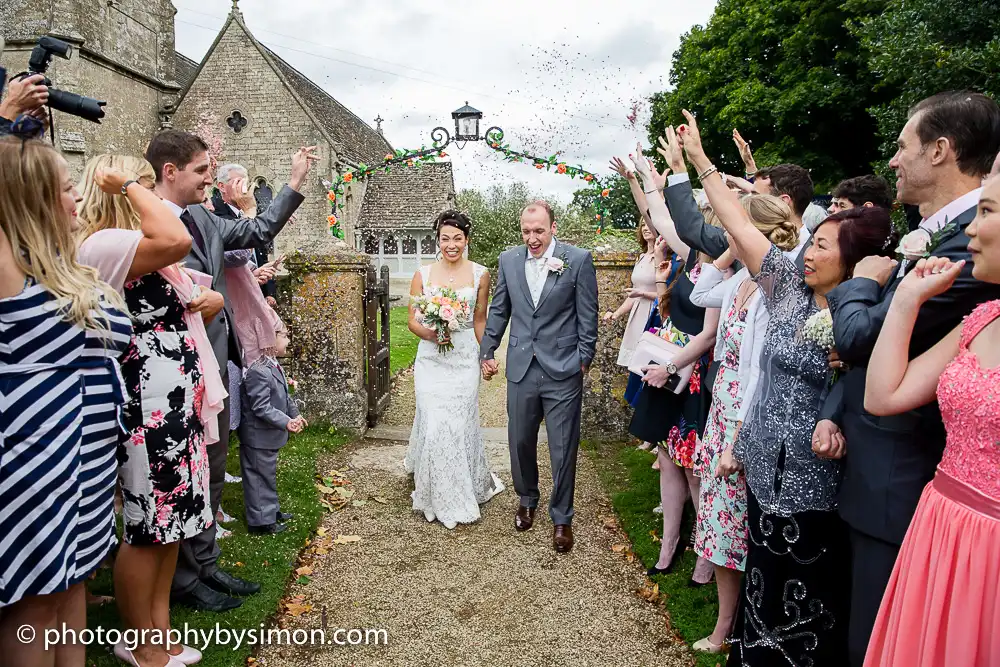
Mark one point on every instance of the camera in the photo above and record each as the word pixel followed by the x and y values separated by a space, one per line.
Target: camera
pixel 76 105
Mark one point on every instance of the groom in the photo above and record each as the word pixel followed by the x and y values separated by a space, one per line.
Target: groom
pixel 547 290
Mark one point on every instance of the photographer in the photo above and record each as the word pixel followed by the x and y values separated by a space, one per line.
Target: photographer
pixel 25 97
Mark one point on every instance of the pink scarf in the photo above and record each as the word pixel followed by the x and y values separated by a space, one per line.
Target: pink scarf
pixel 255 322
pixel 213 402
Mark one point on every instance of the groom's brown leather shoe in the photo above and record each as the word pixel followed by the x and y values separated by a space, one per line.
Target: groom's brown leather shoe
pixel 562 538
pixel 525 518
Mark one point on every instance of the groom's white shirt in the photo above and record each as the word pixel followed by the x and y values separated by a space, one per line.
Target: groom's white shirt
pixel 535 272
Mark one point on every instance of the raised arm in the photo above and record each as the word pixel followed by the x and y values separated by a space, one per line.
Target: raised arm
pixel 895 384
pixel 752 245
pixel 253 232
pixel 710 289
pixel 658 214
pixel 688 218
pixel 618 166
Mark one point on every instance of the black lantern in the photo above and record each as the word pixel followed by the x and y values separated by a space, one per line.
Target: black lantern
pixel 467 123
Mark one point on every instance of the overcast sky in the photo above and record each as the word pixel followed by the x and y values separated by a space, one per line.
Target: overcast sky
pixel 555 75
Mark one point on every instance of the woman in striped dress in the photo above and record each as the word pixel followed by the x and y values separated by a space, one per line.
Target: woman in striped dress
pixel 61 333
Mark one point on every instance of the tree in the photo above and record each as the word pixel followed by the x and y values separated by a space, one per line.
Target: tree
pixel 922 47
pixel 790 76
pixel 622 211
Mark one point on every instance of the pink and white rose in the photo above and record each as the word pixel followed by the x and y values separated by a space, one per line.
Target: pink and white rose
pixel 554 264
pixel 447 313
pixel 915 245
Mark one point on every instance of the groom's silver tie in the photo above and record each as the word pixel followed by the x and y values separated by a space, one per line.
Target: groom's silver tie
pixel 537 267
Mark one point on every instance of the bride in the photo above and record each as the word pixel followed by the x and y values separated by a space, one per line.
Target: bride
pixel 446 454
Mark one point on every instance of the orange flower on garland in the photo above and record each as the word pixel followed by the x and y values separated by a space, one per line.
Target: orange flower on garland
pixel 539 166
pixel 561 169
pixel 389 156
pixel 598 217
pixel 588 178
pixel 442 154
pixel 494 145
pixel 409 163
pixel 332 220
pixel 348 177
pixel 605 192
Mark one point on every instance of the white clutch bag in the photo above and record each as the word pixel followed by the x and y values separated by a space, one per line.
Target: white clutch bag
pixel 654 351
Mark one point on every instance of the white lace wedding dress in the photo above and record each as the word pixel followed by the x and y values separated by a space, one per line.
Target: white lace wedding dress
pixel 446 454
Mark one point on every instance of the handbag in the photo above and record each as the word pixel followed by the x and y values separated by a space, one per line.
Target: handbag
pixel 654 351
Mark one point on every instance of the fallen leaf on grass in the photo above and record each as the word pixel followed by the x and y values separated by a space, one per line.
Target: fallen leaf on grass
pixel 238 564
pixel 649 593
pixel 302 581
pixel 320 532
pixel 305 569
pixel 347 539
pixel 619 548
pixel 652 535
pixel 342 492
pixel 610 523
pixel 320 551
pixel 326 490
pixel 380 500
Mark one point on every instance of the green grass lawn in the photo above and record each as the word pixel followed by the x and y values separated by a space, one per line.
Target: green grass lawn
pixel 268 560
pixel 635 490
pixel 402 343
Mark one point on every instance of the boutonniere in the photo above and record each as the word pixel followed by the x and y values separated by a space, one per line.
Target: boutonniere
pixel 293 385
pixel 920 243
pixel 557 265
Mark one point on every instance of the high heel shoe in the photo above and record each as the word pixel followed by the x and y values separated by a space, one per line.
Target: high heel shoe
pixel 678 552
pixel 122 653
pixel 706 645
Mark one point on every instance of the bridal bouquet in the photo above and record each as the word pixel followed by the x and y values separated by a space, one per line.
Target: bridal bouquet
pixel 442 310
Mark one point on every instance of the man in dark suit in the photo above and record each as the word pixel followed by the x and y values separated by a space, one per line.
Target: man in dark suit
pixel 183 171
pixel 234 199
pixel 945 150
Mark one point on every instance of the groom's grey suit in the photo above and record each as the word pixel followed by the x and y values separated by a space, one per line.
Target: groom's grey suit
pixel 549 345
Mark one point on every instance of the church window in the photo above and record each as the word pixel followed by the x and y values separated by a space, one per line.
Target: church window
pixel 409 246
pixel 428 246
pixel 371 243
pixel 236 122
pixel 389 245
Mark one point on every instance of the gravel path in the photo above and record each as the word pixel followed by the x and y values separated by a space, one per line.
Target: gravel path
pixel 481 594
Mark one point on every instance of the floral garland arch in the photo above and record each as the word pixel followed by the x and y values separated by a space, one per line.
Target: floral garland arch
pixel 419 157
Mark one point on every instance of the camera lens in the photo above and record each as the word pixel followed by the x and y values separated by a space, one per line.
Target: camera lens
pixel 76 105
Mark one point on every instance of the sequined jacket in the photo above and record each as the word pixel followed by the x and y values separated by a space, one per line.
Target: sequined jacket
pixel 775 443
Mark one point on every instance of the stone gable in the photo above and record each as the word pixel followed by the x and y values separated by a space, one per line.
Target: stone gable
pixel 236 76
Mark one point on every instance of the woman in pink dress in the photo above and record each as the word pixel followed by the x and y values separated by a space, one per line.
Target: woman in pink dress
pixel 942 606
pixel 638 302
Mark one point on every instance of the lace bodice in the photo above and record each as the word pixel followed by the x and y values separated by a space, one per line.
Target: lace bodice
pixel 969 397
pixel 469 293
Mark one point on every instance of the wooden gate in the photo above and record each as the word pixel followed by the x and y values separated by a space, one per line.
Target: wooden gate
pixel 376 301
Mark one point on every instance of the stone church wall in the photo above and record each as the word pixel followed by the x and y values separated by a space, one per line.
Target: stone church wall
pixel 237 77
pixel 122 54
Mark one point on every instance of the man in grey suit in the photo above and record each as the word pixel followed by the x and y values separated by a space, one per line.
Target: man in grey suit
pixel 183 171
pixel 547 291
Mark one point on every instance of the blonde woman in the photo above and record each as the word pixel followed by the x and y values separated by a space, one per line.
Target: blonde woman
pixel 174 386
pixel 721 525
pixel 61 333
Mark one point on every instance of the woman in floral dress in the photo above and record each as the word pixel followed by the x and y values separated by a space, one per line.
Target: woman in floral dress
pixel 675 421
pixel 721 525
pixel 134 241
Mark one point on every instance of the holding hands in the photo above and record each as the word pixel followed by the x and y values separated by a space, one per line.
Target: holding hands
pixel 490 367
pixel 827 441
pixel 728 465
